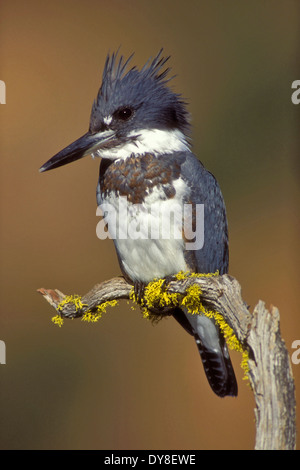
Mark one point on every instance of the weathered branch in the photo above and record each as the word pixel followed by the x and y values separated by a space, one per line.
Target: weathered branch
pixel 270 371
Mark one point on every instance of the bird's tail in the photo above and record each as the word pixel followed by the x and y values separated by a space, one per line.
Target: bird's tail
pixel 213 351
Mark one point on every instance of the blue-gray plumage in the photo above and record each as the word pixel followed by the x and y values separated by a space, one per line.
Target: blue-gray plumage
pixel 139 127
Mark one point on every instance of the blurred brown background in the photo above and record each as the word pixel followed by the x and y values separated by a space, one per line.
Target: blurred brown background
pixel 123 383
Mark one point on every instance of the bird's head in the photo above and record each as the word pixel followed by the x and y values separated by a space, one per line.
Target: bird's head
pixel 135 112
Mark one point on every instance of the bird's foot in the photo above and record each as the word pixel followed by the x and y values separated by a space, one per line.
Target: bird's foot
pixel 139 290
pixel 158 311
pixel 167 281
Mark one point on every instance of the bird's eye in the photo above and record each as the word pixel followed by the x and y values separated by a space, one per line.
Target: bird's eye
pixel 123 114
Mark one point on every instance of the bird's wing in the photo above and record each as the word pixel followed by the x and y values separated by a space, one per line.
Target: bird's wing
pixel 211 257
pixel 204 189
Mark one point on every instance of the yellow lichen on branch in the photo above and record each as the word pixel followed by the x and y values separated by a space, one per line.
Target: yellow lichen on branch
pixel 156 297
pixel 93 315
pixel 219 297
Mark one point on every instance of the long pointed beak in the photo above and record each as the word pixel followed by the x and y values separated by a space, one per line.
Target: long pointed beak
pixel 85 145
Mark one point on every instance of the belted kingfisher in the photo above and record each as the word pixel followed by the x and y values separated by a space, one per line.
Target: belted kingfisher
pixel 140 129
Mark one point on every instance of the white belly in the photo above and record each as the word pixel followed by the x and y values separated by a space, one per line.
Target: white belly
pixel 145 260
pixel 148 236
